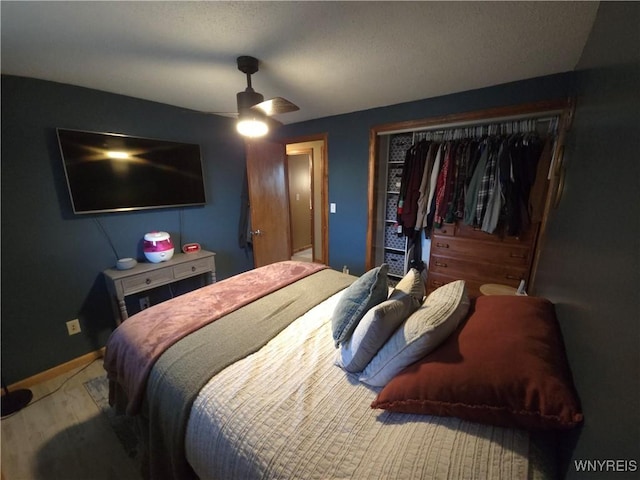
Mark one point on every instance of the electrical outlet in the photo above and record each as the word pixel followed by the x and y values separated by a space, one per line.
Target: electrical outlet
pixel 144 303
pixel 73 326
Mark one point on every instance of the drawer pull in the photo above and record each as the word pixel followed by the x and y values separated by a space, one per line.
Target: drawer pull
pixel 193 269
pixel 518 255
pixel 147 281
pixel 512 277
pixel 437 284
pixel 440 264
pixel 442 245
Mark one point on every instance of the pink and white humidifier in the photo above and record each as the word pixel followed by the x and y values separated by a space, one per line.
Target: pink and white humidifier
pixel 158 247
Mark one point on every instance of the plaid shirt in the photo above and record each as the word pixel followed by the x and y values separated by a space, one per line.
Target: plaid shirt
pixel 487 183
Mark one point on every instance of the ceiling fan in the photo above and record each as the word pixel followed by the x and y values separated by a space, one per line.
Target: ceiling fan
pixel 254 112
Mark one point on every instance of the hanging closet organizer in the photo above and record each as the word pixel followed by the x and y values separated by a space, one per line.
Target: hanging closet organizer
pixel 475 189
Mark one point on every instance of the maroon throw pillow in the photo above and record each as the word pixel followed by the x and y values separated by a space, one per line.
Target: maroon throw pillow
pixel 505 366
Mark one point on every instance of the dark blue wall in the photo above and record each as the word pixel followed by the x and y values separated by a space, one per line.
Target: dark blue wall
pixel 348 151
pixel 52 260
pixel 590 267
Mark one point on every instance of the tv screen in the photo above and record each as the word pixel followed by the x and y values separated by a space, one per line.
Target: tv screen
pixel 109 172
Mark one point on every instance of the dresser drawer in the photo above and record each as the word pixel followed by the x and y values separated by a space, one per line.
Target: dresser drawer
pixel 512 254
pixel 436 280
pixel 447 229
pixel 487 272
pixel 466 231
pixel 192 268
pixel 147 280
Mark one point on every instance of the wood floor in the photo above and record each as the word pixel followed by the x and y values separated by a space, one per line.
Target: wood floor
pixel 303 256
pixel 64 436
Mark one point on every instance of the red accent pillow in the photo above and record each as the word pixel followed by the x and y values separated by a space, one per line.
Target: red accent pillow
pixel 505 366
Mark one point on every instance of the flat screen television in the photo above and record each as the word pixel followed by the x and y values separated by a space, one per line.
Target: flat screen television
pixel 109 172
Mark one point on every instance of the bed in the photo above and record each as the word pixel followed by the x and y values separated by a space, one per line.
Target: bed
pixel 295 370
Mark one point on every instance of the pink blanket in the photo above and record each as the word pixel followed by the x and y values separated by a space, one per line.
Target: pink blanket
pixel 138 342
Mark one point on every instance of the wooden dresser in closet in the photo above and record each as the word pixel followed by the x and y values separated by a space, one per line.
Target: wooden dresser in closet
pixel 462 252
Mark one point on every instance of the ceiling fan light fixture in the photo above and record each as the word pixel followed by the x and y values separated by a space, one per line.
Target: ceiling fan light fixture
pixel 252 127
pixel 254 112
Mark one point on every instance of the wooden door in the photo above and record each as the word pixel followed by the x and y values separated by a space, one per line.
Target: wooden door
pixel 269 202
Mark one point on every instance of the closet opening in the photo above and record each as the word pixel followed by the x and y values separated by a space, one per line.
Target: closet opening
pixel 450 196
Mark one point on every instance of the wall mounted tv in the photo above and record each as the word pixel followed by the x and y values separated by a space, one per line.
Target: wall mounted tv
pixel 109 172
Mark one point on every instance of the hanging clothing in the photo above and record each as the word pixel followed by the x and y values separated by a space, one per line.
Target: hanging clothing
pixel 244 224
pixel 433 181
pixel 425 185
pixel 446 181
pixel 485 183
pixel 410 186
pixel 524 154
pixel 471 197
pixel 456 206
pixel 495 200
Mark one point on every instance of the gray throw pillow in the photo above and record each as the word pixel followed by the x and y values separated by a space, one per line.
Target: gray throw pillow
pixel 420 334
pixel 411 284
pixel 374 330
pixel 366 292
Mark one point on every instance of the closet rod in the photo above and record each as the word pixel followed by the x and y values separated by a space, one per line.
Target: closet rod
pixel 538 116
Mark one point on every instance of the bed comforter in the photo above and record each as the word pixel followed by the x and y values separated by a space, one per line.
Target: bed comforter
pixel 288 412
pixel 256 394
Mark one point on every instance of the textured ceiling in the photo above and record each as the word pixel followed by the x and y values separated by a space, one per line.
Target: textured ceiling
pixel 327 57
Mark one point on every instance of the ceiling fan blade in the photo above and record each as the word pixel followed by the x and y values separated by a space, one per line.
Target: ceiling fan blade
pixel 275 106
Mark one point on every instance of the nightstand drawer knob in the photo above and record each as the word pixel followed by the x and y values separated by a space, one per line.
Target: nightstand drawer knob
pixel 440 264
pixel 147 281
pixel 442 245
pixel 193 269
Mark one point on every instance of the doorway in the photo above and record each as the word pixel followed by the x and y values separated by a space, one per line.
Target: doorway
pixel 301 205
pixel 269 203
pixel 307 175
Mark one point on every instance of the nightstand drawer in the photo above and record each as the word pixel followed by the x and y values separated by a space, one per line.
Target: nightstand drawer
pixel 144 281
pixel 145 276
pixel 193 268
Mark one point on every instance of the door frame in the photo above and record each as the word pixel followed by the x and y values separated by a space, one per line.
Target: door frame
pixel 324 190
